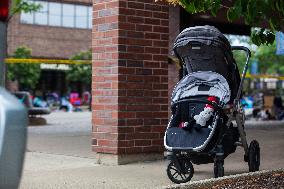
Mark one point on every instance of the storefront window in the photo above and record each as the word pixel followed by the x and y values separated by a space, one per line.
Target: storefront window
pixel 42 15
pixel 90 16
pixel 81 17
pixel 27 18
pixel 68 15
pixel 60 14
pixel 54 16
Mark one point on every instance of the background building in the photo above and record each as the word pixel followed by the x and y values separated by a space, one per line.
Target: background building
pixel 59 30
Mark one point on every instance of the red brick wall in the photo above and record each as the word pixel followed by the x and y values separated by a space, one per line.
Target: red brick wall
pixel 174 25
pixel 105 77
pixel 130 76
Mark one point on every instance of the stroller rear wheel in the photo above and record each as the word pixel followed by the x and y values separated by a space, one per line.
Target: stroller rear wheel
pixel 254 156
pixel 182 174
pixel 219 168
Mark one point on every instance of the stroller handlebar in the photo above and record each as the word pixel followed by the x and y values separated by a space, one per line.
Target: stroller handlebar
pixel 242 48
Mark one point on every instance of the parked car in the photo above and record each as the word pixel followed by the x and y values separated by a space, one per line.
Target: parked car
pixel 13 134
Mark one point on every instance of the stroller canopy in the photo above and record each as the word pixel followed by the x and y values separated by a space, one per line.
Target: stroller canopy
pixel 207 35
pixel 205 48
pixel 189 86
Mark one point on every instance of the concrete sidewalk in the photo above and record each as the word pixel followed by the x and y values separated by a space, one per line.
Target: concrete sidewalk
pixel 59 156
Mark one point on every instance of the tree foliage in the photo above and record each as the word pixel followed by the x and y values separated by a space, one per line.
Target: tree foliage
pixel 26 74
pixel 255 13
pixel 81 73
pixel 240 58
pixel 269 62
pixel 18 6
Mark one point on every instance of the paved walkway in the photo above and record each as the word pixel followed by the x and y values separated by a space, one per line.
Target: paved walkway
pixel 59 156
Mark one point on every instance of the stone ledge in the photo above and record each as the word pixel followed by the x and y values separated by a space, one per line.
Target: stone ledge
pixel 110 159
pixel 253 124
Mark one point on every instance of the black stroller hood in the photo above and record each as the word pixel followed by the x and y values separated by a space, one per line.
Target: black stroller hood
pixel 208 35
pixel 205 48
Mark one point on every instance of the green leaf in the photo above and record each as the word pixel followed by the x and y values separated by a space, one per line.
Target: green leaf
pixel 255 39
pixel 244 5
pixel 238 7
pixel 270 38
pixel 215 7
pixel 232 14
pixel 25 6
pixel 81 73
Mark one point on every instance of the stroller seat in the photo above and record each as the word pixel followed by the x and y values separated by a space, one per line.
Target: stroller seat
pixel 194 136
pixel 187 138
pixel 189 99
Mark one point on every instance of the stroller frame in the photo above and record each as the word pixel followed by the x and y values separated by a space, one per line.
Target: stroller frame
pixel 179 157
pixel 237 112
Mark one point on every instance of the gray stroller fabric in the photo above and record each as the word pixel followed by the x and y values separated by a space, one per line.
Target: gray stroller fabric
pixel 190 86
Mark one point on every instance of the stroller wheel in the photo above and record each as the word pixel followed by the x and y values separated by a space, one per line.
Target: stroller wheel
pixel 218 168
pixel 182 175
pixel 254 156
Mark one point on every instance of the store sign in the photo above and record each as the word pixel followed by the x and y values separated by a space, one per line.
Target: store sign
pixel 62 67
pixel 279 43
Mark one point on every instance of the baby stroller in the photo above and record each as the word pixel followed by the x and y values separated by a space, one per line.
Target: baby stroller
pixel 204 103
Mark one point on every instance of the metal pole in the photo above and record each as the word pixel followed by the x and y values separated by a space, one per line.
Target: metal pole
pixel 3 52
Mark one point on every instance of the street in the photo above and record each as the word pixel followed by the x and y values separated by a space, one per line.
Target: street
pixel 59 156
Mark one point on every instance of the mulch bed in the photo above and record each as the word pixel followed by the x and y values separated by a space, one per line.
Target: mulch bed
pixel 273 179
pixel 267 181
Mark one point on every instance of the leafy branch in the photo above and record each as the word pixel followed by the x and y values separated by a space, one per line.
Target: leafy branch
pixel 267 14
pixel 26 74
pixel 82 72
pixel 18 6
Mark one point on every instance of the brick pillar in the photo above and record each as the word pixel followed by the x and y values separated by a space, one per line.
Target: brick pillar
pixel 130 79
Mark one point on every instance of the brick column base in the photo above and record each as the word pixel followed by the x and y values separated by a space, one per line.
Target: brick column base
pixel 130 80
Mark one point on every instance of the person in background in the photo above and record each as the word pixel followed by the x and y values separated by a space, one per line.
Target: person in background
pixel 65 104
pixel 38 102
pixel 278 108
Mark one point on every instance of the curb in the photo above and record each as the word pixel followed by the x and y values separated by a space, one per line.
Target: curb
pixel 263 124
pixel 209 183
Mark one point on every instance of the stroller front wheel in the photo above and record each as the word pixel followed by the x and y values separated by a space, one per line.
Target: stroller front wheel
pixel 180 174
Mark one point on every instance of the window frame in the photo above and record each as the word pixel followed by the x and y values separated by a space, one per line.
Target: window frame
pixel 60 14
pixel 88 16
